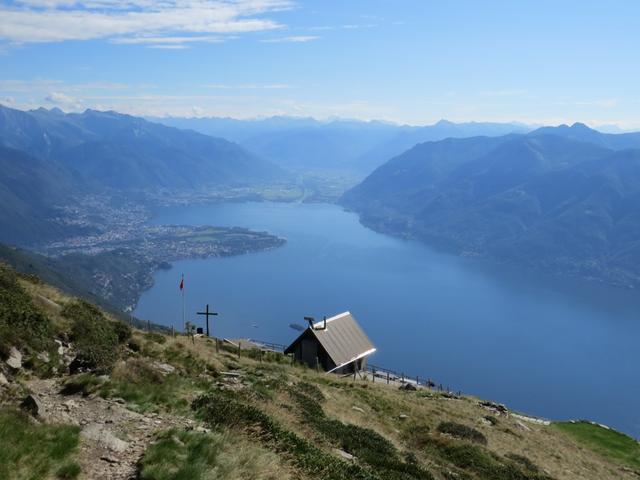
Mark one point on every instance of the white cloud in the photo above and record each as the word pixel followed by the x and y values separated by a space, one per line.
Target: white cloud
pixel 504 93
pixel 142 40
pixel 170 47
pixel 63 100
pixel 38 21
pixel 250 86
pixel 291 39
pixel 357 26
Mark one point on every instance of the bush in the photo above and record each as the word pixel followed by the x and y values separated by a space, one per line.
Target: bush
pixel 491 419
pixel 97 339
pixel 156 337
pixel 480 461
pixel 222 409
pixel 69 471
pixel 21 322
pixel 524 461
pixel 367 445
pixel 84 384
pixel 463 432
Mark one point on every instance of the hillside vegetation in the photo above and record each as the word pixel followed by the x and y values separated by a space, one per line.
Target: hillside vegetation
pixel 92 398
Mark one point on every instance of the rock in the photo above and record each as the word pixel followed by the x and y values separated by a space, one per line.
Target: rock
pixel 403 416
pixel 357 409
pixel 522 426
pixel 343 454
pixel 15 359
pixel 495 407
pixel 3 379
pixel 43 357
pixel 60 347
pixel 70 405
pixel 202 430
pixel 33 405
pixel 408 387
pixel 108 459
pixel 104 437
pixel 164 368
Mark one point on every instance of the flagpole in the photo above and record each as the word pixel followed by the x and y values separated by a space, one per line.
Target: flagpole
pixel 184 325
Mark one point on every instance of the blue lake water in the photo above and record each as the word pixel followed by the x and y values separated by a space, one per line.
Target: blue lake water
pixel 556 348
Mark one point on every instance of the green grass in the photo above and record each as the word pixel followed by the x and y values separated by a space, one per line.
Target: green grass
pixel 181 455
pixel 367 445
pixel 462 432
pixel 145 389
pixel 483 463
pixel 613 445
pixel 225 409
pixel 31 451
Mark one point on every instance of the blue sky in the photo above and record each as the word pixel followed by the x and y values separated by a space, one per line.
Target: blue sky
pixel 404 61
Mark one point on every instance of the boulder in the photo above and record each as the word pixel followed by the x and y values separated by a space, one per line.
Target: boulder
pixel 343 454
pixel 3 379
pixel 60 347
pixel 403 416
pixel 164 368
pixel 104 437
pixel 33 405
pixel 357 409
pixel 15 359
pixel 408 387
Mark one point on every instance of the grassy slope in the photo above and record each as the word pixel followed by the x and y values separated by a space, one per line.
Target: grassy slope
pixel 608 443
pixel 33 451
pixel 283 421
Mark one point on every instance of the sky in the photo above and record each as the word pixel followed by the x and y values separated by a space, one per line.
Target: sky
pixel 404 61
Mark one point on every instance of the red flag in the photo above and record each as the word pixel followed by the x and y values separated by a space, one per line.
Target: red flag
pixel 182 283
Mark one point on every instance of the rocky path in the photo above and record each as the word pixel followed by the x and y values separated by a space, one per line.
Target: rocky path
pixel 113 438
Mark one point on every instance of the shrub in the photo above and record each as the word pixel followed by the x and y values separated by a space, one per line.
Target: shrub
pixel 97 339
pixel 21 322
pixel 463 432
pixel 156 337
pixel 479 461
pixel 491 419
pixel 524 461
pixel 222 409
pixel 84 384
pixel 69 471
pixel 367 445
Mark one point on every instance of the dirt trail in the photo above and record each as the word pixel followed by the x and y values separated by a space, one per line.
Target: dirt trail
pixel 113 439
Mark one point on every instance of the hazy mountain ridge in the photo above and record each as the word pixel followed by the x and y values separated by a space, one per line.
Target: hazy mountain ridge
pixel 303 143
pixel 546 199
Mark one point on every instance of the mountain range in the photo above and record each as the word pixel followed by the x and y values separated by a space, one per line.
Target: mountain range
pixel 47 156
pixel 564 199
pixel 302 143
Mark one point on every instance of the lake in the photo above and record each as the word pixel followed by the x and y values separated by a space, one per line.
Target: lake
pixel 557 348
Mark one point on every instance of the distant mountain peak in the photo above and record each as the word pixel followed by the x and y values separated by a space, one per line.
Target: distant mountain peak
pixel 580 126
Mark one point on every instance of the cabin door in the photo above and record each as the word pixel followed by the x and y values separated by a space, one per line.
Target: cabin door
pixel 309 351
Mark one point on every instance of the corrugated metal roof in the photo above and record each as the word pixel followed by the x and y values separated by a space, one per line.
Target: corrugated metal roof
pixel 343 339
